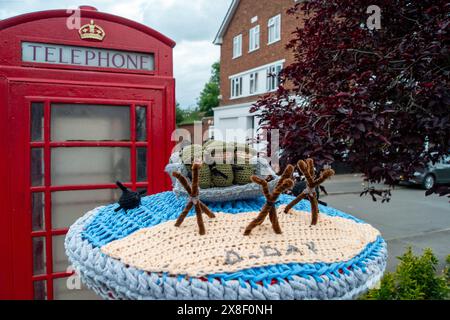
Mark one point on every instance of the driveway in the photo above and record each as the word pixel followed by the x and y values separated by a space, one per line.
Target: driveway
pixel 410 219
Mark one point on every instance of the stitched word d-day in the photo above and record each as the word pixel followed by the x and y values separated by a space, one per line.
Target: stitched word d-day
pixel 232 257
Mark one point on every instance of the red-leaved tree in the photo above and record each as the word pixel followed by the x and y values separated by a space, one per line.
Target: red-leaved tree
pixel 377 99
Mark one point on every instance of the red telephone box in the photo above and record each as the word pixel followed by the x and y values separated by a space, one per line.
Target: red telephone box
pixel 80 108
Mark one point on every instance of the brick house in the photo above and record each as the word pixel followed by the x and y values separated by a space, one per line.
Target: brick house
pixel 253 37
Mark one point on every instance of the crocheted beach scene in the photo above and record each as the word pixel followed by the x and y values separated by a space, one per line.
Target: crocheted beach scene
pixel 219 243
pixel 225 250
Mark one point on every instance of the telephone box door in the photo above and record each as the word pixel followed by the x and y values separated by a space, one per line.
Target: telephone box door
pixel 68 151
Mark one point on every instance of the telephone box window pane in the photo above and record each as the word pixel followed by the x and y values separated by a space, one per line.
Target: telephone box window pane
pixel 80 122
pixel 141 164
pixel 60 260
pixel 37 121
pixel 39 256
pixel 40 290
pixel 141 123
pixel 37 211
pixel 68 206
pixel 72 289
pixel 142 189
pixel 78 166
pixel 37 167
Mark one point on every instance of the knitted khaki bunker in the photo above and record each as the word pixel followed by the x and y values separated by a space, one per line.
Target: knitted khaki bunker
pixel 307 168
pixel 192 154
pixel 269 208
pixel 220 156
pixel 194 201
pixel 129 200
pixel 242 168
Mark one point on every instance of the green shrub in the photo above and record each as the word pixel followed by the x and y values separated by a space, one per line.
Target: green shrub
pixel 447 270
pixel 414 279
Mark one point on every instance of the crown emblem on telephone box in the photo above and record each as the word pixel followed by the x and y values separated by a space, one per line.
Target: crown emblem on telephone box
pixel 92 31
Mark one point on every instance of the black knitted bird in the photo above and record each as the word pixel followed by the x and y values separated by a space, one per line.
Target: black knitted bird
pixel 129 199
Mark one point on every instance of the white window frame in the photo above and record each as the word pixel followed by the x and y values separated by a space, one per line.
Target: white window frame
pixel 273 80
pixel 275 24
pixel 253 85
pixel 236 87
pixel 254 38
pixel 237 46
pixel 262 80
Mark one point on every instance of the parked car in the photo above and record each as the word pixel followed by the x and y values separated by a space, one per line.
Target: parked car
pixel 428 178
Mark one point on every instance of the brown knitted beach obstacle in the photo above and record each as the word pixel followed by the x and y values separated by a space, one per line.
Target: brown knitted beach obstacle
pixel 307 168
pixel 283 184
pixel 194 201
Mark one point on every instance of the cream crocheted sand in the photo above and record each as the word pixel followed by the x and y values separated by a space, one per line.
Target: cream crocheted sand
pixel 182 251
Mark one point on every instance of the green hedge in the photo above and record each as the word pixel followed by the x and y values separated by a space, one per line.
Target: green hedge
pixel 415 278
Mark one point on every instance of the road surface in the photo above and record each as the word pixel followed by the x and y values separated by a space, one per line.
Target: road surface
pixel 410 219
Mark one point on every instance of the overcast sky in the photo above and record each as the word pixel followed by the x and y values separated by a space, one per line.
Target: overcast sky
pixel 192 24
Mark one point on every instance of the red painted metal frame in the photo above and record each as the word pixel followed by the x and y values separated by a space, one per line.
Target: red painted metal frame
pixel 23 83
pixel 48 189
pixel 6 221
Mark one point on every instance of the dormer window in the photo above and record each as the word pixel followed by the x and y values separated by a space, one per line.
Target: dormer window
pixel 254 39
pixel 274 29
pixel 237 46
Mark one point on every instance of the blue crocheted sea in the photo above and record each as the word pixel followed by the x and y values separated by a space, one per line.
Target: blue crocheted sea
pixel 113 279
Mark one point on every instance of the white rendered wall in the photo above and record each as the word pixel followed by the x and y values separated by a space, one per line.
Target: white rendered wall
pixel 234 123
